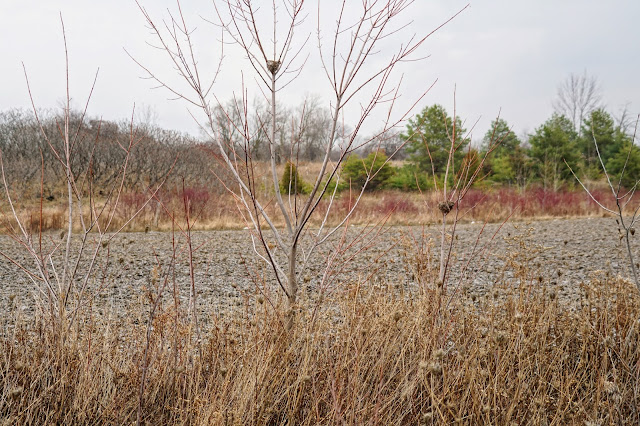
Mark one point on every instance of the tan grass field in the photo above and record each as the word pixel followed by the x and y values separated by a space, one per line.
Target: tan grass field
pixel 212 212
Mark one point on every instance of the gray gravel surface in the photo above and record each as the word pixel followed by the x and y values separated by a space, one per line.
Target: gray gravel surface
pixel 561 252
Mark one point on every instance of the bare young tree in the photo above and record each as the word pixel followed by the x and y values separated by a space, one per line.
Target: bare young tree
pixel 314 128
pixel 625 120
pixel 67 274
pixel 625 212
pixel 456 183
pixel 577 96
pixel 276 54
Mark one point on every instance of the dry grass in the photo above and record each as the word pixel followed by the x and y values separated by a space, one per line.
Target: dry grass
pixel 214 211
pixel 214 208
pixel 367 355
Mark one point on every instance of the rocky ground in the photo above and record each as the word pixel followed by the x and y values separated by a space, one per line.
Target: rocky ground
pixel 560 252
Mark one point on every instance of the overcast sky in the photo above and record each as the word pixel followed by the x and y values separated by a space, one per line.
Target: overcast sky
pixel 507 55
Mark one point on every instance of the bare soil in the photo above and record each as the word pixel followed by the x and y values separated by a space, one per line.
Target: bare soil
pixel 560 253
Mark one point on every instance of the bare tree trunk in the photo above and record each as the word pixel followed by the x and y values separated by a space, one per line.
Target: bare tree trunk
pixel 274 66
pixel 631 260
pixel 292 286
pixel 443 244
pixel 622 199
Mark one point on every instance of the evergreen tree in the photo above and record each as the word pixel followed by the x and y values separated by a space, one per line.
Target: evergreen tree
pixel 624 166
pixel 599 125
pixel 552 144
pixel 429 136
pixel 356 170
pixel 501 136
pixel 291 182
pixel 508 162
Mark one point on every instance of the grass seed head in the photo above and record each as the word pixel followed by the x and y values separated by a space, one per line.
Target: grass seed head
pixel 427 417
pixel 16 392
pixel 501 338
pixel 438 354
pixel 610 387
pixel 435 368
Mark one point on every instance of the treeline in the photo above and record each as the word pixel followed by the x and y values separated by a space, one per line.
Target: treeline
pixel 99 147
pixel 548 157
pixel 301 132
pixel 544 158
pixel 32 150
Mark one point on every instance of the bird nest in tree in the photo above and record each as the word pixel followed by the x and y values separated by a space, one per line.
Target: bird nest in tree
pixel 273 66
pixel 446 206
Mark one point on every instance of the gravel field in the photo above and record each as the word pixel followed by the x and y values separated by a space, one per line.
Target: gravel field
pixel 562 252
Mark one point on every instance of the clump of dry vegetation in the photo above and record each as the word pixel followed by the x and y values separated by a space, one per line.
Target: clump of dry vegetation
pixel 367 354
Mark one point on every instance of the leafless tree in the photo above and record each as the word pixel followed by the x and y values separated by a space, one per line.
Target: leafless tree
pixel 65 273
pixel 624 201
pixel 577 96
pixel 389 141
pixel 625 120
pixel 455 186
pixel 26 153
pixel 276 55
pixel 315 122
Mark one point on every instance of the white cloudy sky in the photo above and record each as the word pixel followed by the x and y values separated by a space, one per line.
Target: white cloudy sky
pixel 507 55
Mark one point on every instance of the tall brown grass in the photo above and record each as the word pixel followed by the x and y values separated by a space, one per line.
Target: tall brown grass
pixel 369 354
